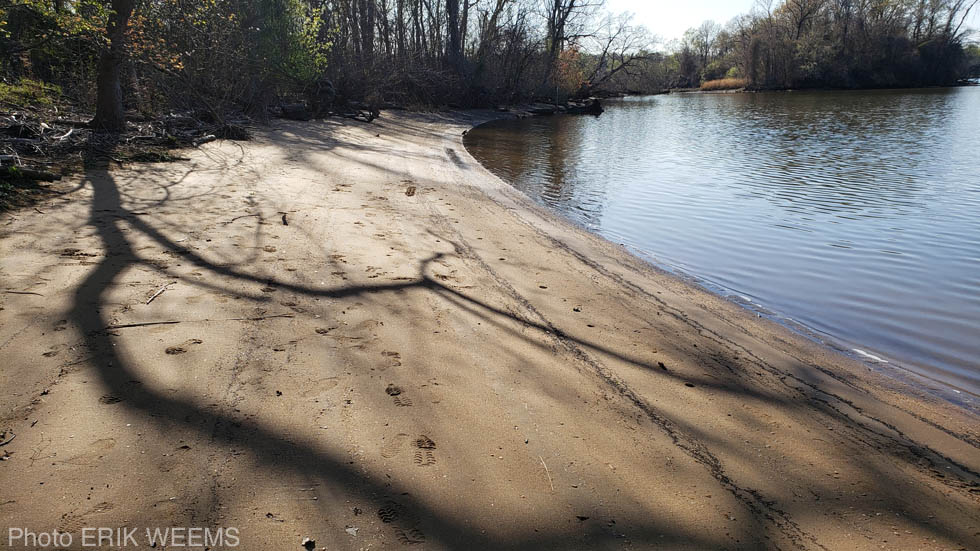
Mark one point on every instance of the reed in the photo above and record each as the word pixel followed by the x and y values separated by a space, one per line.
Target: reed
pixel 724 84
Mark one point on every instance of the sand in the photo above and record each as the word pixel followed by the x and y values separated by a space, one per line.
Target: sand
pixel 359 335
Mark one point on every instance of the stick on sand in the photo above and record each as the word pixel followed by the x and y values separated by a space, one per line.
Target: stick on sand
pixel 160 291
pixel 547 472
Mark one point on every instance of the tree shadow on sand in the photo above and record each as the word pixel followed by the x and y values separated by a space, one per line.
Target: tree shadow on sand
pixel 271 449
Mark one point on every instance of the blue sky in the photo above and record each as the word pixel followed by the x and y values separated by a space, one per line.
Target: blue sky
pixel 669 19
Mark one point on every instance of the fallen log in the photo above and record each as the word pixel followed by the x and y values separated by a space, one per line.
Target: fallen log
pixel 18 173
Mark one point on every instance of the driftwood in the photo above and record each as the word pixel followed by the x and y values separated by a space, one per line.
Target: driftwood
pixel 543 109
pixel 39 175
pixel 204 139
pixel 591 106
pixel 35 145
pixel 28 174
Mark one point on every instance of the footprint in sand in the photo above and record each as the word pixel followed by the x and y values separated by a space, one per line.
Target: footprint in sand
pixel 403 401
pixel 393 446
pixel 394 359
pixel 94 452
pixel 321 386
pixel 410 536
pixel 74 522
pixel 404 523
pixel 424 455
pixel 182 348
pixel 396 393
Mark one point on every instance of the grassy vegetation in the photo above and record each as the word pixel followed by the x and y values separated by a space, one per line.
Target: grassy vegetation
pixel 29 92
pixel 724 84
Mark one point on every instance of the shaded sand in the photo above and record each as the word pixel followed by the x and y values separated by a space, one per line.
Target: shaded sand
pixel 419 356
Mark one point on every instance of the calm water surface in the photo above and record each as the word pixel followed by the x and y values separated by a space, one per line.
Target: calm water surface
pixel 853 214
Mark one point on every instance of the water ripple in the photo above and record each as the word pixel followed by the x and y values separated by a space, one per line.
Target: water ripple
pixel 856 213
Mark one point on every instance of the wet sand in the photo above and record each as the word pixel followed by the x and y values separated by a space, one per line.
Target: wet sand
pixel 359 335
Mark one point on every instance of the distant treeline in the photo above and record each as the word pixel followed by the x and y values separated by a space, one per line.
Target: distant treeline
pixel 150 56
pixel 825 44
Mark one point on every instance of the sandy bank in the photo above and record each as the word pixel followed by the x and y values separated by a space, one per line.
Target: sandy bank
pixel 365 338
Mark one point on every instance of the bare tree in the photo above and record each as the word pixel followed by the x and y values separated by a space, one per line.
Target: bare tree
pixel 564 23
pixel 620 46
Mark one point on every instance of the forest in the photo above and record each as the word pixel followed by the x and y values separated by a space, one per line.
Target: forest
pixel 831 44
pixel 125 59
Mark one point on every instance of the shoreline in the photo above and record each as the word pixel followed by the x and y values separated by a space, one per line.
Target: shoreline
pixel 917 384
pixel 907 374
pixel 890 367
pixel 372 340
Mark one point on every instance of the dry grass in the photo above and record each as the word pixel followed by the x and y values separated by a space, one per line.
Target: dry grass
pixel 725 84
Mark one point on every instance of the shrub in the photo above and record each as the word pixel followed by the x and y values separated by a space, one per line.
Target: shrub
pixel 724 84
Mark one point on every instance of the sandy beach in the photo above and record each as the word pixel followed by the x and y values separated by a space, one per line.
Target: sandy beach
pixel 356 334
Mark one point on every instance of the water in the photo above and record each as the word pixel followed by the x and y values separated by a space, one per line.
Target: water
pixel 853 214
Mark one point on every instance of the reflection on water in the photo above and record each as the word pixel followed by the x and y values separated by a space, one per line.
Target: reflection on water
pixel 856 214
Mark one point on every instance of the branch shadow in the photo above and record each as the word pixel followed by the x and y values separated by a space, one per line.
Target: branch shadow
pixel 266 444
pixel 303 457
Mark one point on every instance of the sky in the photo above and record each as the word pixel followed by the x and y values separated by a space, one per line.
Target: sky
pixel 668 19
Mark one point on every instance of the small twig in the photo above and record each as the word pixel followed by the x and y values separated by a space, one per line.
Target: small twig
pixel 37 210
pixel 160 291
pixel 9 440
pixel 259 318
pixel 149 323
pixel 547 472
pixel 242 216
pixel 22 293
pixel 145 324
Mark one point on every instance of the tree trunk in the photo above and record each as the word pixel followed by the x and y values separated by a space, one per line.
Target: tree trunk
pixel 400 29
pixel 109 114
pixel 454 49
pixel 367 31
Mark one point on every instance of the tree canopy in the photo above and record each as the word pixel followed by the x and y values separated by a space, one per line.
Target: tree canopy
pixel 149 56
